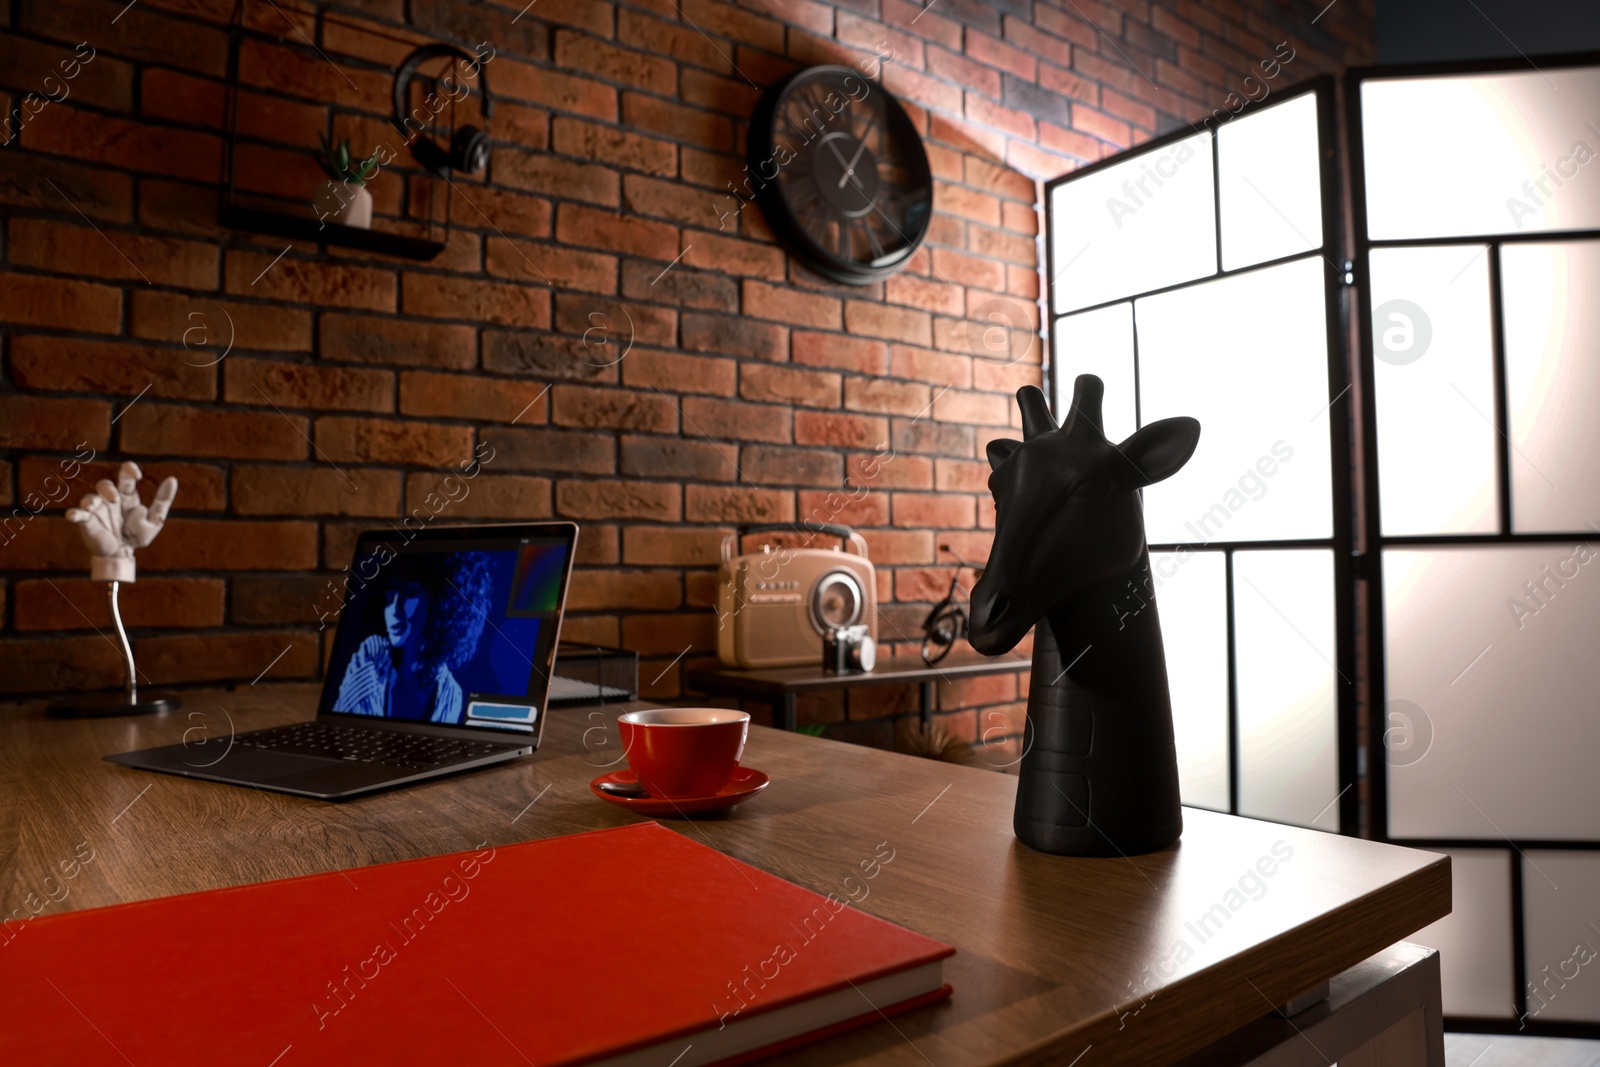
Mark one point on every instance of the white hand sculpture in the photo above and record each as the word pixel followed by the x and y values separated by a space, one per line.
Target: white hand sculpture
pixel 114 522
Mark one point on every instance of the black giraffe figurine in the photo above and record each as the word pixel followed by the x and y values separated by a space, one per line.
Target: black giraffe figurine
pixel 1099 773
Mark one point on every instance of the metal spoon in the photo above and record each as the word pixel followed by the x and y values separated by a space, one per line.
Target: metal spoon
pixel 623 789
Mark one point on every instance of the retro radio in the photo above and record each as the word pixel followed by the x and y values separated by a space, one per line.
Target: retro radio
pixel 773 606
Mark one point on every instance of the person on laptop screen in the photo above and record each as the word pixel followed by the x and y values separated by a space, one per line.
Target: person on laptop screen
pixel 432 623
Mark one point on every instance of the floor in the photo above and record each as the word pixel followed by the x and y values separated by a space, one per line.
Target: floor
pixel 1485 1050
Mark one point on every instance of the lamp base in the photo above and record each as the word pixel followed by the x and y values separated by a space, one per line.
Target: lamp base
pixel 109 704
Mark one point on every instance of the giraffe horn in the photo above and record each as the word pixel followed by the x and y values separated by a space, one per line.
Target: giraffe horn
pixel 1084 418
pixel 1036 418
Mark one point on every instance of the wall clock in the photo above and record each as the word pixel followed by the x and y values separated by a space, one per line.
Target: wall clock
pixel 840 174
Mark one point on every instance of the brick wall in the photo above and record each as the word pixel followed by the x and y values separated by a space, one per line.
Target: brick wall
pixel 352 383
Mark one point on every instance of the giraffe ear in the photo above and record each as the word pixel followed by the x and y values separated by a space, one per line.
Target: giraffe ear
pixel 1000 450
pixel 1157 451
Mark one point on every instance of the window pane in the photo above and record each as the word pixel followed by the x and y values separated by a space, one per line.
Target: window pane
pixel 1247 356
pixel 1434 372
pixel 1191 596
pixel 1284 651
pixel 1100 343
pixel 1550 294
pixel 1474 940
pixel 1491 649
pixel 1526 135
pixel 1271 183
pixel 1561 910
pixel 1138 225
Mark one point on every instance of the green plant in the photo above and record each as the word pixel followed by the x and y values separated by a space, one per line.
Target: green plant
pixel 814 729
pixel 338 165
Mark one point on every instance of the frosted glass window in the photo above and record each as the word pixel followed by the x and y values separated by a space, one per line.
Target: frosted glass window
pixel 1434 376
pixel 1481 153
pixel 1191 596
pixel 1134 226
pixel 1474 940
pixel 1550 297
pixel 1561 935
pixel 1247 356
pixel 1100 343
pixel 1492 648
pixel 1270 183
pixel 1284 650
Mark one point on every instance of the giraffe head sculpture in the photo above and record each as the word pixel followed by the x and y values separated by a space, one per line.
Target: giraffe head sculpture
pixel 1068 515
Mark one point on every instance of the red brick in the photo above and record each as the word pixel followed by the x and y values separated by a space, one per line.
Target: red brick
pixel 889 470
pixel 79 366
pixel 677 284
pixel 669 635
pixel 930 295
pixel 606 60
pixel 487 496
pixel 834 428
pixel 963 269
pixel 567 268
pixel 579 225
pixel 996 53
pixel 163 429
pixel 1127 108
pixel 69 131
pixel 67 304
pixel 671 201
pixel 889 322
pixel 885 397
pixel 678 373
pixel 898 547
pixel 541 172
pixel 614 322
pixel 732 255
pixel 732 96
pixel 210 328
pixel 682 42
pixel 857 508
pixel 56 665
pixel 232 545
pixel 299 281
pixel 555 90
pixel 786 305
pixel 1069 25
pixel 778 384
pixel 217 657
pixel 734 336
pixel 306 385
pixel 620 148
pixel 776 465
pixel 77 603
pixel 593 589
pixel 319 490
pixel 705 503
pixel 68 249
pixel 1012 121
pixel 938 510
pixel 541 449
pixel 964 71
pixel 652 501
pixel 1044 45
pixel 985 409
pixel 547 356
pixel 967 203
pixel 36 422
pixel 346 439
pixel 103 82
pixel 682 546
pixel 709 16
pixel 1075 87
pixel 97 193
pixel 735 420
pixel 917 17
pixel 367 339
pixel 473 397
pixel 962 476
pixel 502 211
pixel 41 479
pixel 618 409
pixel 909 85
pixel 471 300
pixel 1000 244
pixel 859 354
pixel 677 457
pixel 925 365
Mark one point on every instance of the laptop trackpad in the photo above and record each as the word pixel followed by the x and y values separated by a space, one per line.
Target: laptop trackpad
pixel 249 764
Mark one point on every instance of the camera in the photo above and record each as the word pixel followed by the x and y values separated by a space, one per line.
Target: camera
pixel 775 606
pixel 849 649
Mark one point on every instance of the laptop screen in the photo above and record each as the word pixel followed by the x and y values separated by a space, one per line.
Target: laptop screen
pixel 455 627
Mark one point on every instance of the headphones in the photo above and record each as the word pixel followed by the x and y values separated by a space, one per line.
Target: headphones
pixel 469 148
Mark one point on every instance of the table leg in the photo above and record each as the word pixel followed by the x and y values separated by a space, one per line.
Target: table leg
pixel 783 713
pixel 927 704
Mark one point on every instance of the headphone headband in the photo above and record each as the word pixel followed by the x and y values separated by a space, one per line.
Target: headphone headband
pixel 408 70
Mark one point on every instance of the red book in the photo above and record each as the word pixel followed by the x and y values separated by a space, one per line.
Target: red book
pixel 627 946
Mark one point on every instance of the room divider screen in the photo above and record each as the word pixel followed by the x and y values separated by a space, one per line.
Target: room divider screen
pixel 1204 274
pixel 1199 274
pixel 1477 228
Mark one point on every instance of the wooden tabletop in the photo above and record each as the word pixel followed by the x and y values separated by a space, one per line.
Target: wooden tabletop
pixel 1056 956
pixel 907 670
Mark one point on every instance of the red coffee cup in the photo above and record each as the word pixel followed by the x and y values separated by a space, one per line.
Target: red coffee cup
pixel 683 752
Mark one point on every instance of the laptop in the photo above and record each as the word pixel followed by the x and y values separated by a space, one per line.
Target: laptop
pixel 441 662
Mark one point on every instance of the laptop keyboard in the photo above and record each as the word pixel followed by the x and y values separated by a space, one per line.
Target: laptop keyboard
pixel 391 748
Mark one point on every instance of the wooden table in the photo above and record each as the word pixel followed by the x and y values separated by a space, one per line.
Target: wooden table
pixel 779 687
pixel 1061 961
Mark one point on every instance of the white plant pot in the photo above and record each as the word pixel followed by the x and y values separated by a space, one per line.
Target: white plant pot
pixel 345 203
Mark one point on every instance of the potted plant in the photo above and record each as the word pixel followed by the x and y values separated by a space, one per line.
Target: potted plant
pixel 345 198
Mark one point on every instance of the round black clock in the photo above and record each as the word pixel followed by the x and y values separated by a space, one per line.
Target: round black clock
pixel 840 174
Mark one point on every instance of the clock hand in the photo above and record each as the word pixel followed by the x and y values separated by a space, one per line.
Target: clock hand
pixel 861 146
pixel 837 154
